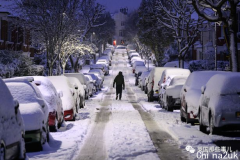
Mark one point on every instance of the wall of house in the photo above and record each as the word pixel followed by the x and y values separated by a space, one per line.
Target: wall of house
pixel 19 40
pixel 119 19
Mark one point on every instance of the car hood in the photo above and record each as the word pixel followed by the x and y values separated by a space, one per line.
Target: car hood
pixel 32 115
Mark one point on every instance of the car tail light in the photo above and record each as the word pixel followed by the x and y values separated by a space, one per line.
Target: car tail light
pixel 51 118
pixel 68 114
pixel 223 119
pixel 164 79
pixel 133 70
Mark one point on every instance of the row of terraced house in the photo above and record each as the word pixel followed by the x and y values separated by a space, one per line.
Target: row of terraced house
pixel 14 37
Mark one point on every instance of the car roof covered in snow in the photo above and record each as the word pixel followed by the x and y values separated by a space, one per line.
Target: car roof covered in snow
pixel 224 84
pixel 199 78
pixel 79 76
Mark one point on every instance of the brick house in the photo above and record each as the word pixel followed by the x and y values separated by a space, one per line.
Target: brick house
pixel 13 36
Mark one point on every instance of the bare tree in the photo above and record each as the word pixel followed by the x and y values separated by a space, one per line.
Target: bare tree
pixel 225 11
pixel 54 22
pixel 178 17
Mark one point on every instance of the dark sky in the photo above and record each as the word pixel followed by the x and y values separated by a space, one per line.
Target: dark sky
pixel 115 5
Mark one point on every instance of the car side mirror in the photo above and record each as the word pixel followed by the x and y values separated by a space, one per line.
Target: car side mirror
pixel 16 106
pixel 60 93
pixel 185 90
pixel 76 87
pixel 203 89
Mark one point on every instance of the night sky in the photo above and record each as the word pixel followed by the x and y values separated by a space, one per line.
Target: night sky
pixel 115 5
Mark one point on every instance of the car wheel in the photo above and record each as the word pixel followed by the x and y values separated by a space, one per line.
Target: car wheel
pixel 187 118
pixel 22 152
pixel 151 97
pixel 54 128
pixel 2 153
pixel 146 90
pixel 212 128
pixel 48 139
pixel 182 118
pixel 148 98
pixel 202 128
pixel 168 106
pixel 87 97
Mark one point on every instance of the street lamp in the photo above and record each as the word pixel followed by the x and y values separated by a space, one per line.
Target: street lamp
pixel 92 36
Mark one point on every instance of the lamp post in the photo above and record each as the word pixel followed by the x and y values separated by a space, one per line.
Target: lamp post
pixel 92 36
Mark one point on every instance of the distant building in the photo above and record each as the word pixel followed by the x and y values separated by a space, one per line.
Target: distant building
pixel 120 19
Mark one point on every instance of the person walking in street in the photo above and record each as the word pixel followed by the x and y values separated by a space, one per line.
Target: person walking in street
pixel 120 85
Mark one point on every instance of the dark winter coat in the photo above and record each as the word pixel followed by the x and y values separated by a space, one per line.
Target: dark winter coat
pixel 119 80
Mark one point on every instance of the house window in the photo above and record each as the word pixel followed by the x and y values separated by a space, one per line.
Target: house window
pixel 121 33
pixel 122 23
pixel 9 36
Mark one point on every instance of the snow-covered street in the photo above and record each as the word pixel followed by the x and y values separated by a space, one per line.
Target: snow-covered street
pixel 128 129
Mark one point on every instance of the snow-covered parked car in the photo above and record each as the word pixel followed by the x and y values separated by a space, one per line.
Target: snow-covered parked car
pixel 139 70
pixel 53 101
pixel 105 67
pixel 137 63
pixel 83 81
pixel 138 73
pixel 108 52
pixel 220 103
pixel 33 109
pixel 108 58
pixel 170 72
pixel 134 59
pixel 133 54
pixel 97 66
pixel 170 92
pixel 12 145
pixel 120 49
pixel 191 92
pixel 98 71
pixel 68 102
pixel 104 60
pixel 142 79
pixel 90 86
pixel 79 90
pixel 97 81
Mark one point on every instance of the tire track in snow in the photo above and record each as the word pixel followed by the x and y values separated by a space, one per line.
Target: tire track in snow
pixel 166 146
pixel 94 147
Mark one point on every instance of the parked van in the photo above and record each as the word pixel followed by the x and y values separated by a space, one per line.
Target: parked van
pixel 152 84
